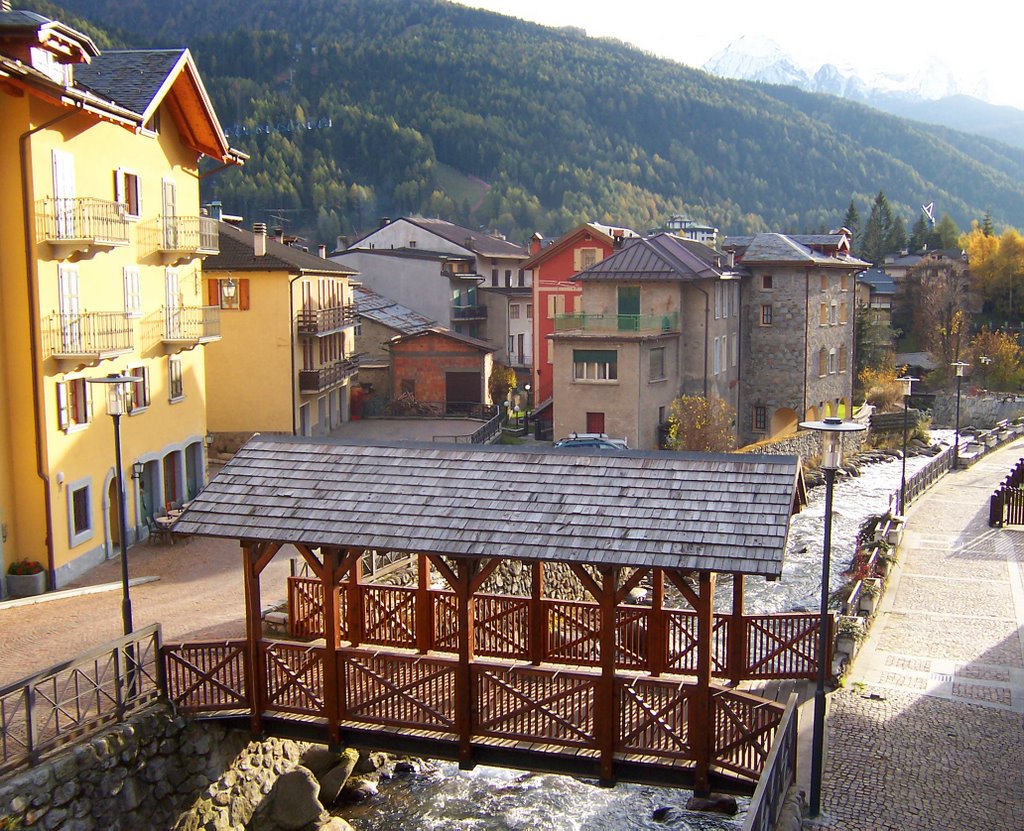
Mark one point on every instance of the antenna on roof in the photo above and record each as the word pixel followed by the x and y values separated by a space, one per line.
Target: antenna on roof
pixel 929 211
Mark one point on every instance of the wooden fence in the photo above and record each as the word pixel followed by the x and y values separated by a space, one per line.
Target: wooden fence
pixel 776 646
pixel 70 701
pixel 1006 506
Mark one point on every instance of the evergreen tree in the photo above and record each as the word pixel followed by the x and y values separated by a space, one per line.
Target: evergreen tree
pixel 852 223
pixel 896 236
pixel 872 247
pixel 919 235
pixel 986 225
pixel 945 234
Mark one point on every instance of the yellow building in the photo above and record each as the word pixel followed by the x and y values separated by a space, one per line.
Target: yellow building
pixel 287 359
pixel 101 244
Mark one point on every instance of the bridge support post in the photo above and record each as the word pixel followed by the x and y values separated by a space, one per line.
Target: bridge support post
pixel 355 600
pixel 332 567
pixel 537 630
pixel 657 637
pixel 464 681
pixel 424 608
pixel 607 717
pixel 702 720
pixel 253 634
pixel 737 661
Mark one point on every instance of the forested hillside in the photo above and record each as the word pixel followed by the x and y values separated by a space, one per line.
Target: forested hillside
pixel 384 107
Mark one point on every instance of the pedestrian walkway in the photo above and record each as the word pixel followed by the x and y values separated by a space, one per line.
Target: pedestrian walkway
pixel 926 733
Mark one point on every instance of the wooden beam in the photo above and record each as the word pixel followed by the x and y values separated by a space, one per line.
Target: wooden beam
pixel 737 660
pixel 445 570
pixel 485 572
pixel 677 579
pixel 463 675
pixel 702 723
pixel 355 597
pixel 311 560
pixel 657 636
pixel 253 635
pixel 537 627
pixel 606 717
pixel 266 555
pixel 332 628
pixel 634 580
pixel 589 583
pixel 424 606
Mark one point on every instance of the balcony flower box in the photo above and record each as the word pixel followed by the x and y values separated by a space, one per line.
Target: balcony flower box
pixel 26 578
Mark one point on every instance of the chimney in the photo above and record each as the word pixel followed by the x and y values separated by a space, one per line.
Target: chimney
pixel 536 241
pixel 617 240
pixel 732 259
pixel 215 210
pixel 321 251
pixel 385 221
pixel 279 234
pixel 470 242
pixel 341 243
pixel 259 241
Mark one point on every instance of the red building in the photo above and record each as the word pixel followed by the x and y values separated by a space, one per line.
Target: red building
pixel 443 371
pixel 554 294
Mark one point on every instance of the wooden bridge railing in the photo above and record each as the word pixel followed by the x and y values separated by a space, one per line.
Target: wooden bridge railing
pixel 776 646
pixel 1006 506
pixel 551 706
pixel 69 701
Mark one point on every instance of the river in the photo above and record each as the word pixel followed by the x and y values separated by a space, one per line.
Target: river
pixel 494 799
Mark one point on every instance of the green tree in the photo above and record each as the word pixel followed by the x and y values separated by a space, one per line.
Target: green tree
pixel 896 236
pixel 945 235
pixel 852 222
pixel 701 424
pixel 986 226
pixel 919 234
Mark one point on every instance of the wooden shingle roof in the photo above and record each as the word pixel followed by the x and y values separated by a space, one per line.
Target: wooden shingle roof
pixel 717 512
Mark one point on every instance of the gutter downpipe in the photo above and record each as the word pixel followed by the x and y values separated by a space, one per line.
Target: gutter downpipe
pixel 293 339
pixel 807 332
pixel 33 328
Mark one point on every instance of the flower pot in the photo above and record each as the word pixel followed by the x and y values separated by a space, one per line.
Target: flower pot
pixel 846 644
pixel 26 585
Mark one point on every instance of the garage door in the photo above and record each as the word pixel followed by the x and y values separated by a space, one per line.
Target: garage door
pixel 463 392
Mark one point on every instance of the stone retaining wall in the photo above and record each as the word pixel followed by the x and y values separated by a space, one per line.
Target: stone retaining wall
pixel 806 444
pixel 154 771
pixel 981 411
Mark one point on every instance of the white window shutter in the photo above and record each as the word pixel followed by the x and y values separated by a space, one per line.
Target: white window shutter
pixel 119 194
pixel 63 416
pixel 88 400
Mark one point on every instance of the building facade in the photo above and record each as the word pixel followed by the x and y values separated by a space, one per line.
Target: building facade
pixel 288 316
pixel 797 333
pixel 657 319
pixel 101 246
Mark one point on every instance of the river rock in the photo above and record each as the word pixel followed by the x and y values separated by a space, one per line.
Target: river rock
pixel 372 761
pixel 319 760
pixel 334 780
pixel 715 804
pixel 334 824
pixel 360 788
pixel 294 800
pixel 666 815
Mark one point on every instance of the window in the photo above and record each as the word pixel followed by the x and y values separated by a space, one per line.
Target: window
pixel 513 311
pixel 175 382
pixel 843 284
pixel 657 363
pixel 80 526
pixel 139 391
pixel 824 281
pixel 595 365
pixel 833 313
pixel 522 348
pixel 726 293
pixel 585 257
pixel 494 277
pixel 74 404
pixel 733 350
pixel 822 362
pixel 832 362
pixel 842 313
pixel 508 278
pixel 766 283
pixel 408 386
pixel 132 292
pixel 529 311
pixel 511 346
pixel 842 359
pixel 716 357
pixel 218 297
pixel 760 418
pixel 522 279
pixel 766 314
pixel 412 243
pixel 823 314
pixel 718 301
pixel 556 305
pixel 127 193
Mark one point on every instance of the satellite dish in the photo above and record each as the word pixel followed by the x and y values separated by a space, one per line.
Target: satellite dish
pixel 929 211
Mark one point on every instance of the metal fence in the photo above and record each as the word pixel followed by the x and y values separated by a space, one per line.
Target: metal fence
pixel 778 774
pixel 1006 506
pixel 70 701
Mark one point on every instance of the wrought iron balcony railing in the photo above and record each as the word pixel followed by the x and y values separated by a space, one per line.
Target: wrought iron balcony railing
pixel 78 223
pixel 190 325
pixel 87 336
pixel 469 312
pixel 320 322
pixel 181 235
pixel 611 323
pixel 318 380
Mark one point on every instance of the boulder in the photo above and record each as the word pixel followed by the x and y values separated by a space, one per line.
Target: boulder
pixel 294 800
pixel 360 788
pixel 319 760
pixel 371 761
pixel 667 815
pixel 334 780
pixel 334 824
pixel 714 804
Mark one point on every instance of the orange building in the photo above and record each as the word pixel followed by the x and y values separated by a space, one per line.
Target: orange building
pixel 442 370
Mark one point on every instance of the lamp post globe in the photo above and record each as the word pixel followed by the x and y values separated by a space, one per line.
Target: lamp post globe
pixel 832 430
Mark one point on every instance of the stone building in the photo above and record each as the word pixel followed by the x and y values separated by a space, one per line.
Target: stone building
pixel 797 330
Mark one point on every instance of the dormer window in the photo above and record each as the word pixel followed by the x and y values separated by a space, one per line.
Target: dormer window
pixel 46 62
pixel 153 125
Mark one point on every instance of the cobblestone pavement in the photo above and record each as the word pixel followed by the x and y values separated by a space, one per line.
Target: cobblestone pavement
pixel 927 732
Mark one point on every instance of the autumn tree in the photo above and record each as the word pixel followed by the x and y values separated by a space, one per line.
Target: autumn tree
pixel 503 378
pixel 1004 368
pixel 701 424
pixel 997 268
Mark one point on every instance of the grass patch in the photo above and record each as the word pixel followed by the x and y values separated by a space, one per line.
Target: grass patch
pixel 459 186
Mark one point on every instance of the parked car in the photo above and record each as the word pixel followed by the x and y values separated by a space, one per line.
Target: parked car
pixel 600 441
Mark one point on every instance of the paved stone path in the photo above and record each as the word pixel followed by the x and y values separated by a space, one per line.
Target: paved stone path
pixel 927 733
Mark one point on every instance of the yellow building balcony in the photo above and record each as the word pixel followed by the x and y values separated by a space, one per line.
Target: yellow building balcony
pixel 186 327
pixel 86 338
pixel 178 238
pixel 326 377
pixel 80 225
pixel 317 323
pixel 605 324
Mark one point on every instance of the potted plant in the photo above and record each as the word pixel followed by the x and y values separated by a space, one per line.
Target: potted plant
pixel 26 578
pixel 870 592
pixel 850 631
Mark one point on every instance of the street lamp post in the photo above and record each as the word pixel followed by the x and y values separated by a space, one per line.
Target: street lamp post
pixel 526 416
pixel 832 430
pixel 908 384
pixel 959 367
pixel 117 405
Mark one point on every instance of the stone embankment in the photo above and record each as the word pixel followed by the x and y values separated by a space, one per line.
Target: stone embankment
pixel 159 770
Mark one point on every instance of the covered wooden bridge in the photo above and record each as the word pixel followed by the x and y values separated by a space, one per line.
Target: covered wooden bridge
pixel 443 668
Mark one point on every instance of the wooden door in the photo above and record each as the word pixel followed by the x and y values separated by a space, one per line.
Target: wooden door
pixel 595 422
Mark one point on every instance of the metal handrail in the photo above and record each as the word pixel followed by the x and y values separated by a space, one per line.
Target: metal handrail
pixel 191 323
pixel 67 219
pixel 667 322
pixel 325 377
pixel 87 333
pixel 326 320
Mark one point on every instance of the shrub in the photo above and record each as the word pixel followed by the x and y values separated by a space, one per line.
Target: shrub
pixel 24 567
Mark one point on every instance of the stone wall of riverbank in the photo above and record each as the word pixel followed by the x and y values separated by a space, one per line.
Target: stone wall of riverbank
pixel 806 444
pixel 978 411
pixel 158 770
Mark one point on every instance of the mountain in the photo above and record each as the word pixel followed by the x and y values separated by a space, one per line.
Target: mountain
pixel 932 93
pixel 353 109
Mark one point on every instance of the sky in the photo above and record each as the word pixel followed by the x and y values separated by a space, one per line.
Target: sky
pixel 879 35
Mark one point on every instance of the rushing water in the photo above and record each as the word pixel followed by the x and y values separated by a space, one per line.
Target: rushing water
pixel 493 799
